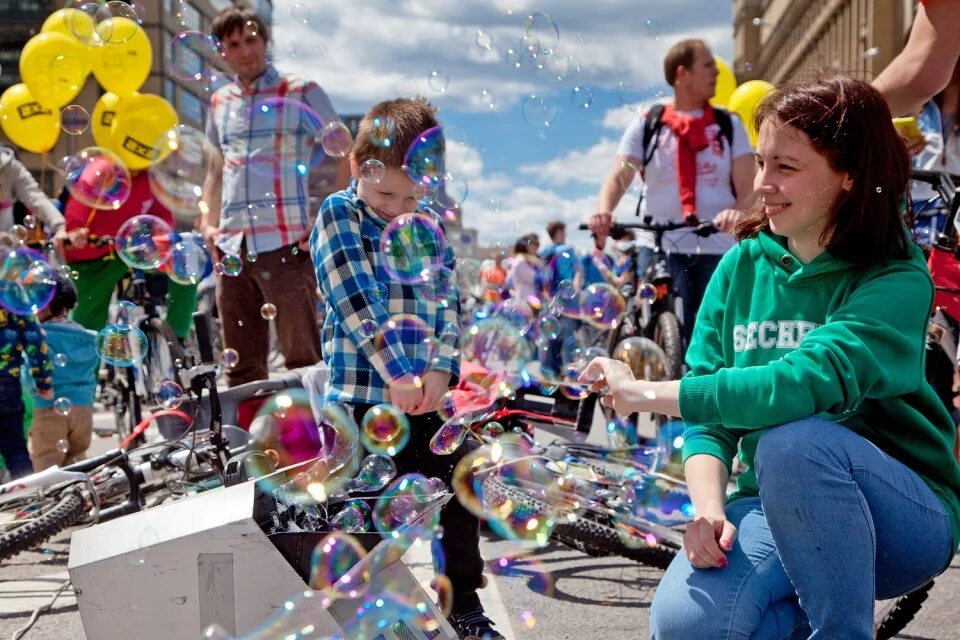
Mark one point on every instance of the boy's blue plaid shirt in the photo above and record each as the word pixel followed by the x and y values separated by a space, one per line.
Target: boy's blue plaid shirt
pixel 345 246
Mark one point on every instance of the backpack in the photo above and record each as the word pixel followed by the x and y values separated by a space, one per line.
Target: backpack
pixel 654 123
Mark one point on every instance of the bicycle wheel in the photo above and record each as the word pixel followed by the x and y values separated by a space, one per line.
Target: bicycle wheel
pixel 667 334
pixel 891 616
pixel 165 356
pixel 45 520
pixel 591 533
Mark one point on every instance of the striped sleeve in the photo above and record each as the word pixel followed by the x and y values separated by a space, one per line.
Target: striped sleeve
pixel 346 278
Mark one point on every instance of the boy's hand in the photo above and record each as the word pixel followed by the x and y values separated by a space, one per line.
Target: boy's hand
pixel 435 385
pixel 46 395
pixel 406 393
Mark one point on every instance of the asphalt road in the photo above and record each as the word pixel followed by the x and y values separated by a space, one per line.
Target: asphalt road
pixel 590 597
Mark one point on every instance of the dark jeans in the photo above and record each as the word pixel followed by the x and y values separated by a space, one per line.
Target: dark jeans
pixel 691 273
pixel 13 445
pixel 287 281
pixel 461 529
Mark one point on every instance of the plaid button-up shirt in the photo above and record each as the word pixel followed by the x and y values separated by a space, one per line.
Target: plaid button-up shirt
pixel 359 295
pixel 269 136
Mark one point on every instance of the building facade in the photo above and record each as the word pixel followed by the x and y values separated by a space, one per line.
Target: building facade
pixel 776 40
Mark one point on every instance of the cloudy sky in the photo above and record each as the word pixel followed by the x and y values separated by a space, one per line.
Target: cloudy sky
pixel 537 91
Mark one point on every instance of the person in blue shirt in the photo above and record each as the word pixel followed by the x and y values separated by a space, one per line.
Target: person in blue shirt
pixel 63 424
pixel 558 276
pixel 390 339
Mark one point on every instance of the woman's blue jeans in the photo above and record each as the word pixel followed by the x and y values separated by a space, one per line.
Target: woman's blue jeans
pixel 838 524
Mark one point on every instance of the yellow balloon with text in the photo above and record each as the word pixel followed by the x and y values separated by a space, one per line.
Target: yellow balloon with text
pixel 71 23
pixel 137 129
pixel 101 120
pixel 121 66
pixel 29 124
pixel 744 102
pixel 54 67
pixel 726 83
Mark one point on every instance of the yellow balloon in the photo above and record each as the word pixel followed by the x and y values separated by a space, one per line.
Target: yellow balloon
pixel 27 123
pixel 54 67
pixel 137 127
pixel 726 83
pixel 101 120
pixel 123 64
pixel 744 102
pixel 71 23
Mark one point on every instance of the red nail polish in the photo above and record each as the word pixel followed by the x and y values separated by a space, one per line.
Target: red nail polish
pixel 723 563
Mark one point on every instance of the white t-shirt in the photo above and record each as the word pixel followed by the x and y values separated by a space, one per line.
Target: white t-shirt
pixel 662 189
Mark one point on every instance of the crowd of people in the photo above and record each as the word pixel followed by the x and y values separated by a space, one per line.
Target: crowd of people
pixel 805 359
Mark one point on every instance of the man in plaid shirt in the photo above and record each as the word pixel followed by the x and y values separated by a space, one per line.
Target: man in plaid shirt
pixel 388 341
pixel 256 202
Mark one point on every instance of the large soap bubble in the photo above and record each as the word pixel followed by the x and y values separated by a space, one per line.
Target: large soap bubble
pixel 144 242
pixel 412 243
pixel 27 281
pixel 177 179
pixel 97 178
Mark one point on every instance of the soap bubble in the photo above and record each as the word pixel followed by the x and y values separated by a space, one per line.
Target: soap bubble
pixel 437 284
pixel 144 242
pixel 382 132
pixel 497 345
pixel 97 178
pixel 602 306
pixel 581 97
pixel 62 406
pixel 74 119
pixel 411 243
pixel 232 265
pixel 331 563
pixel 645 358
pixel 539 110
pixel 372 171
pixel 169 394
pixel 413 336
pixel 62 444
pixel 27 281
pixel 405 500
pixel 194 59
pixel 121 345
pixel 189 261
pixel 438 81
pixel 285 424
pixel 229 358
pixel 484 40
pixel 60 359
pixel 376 471
pixel 336 139
pixel 424 159
pixel 385 429
pixel 177 178
pixel 268 311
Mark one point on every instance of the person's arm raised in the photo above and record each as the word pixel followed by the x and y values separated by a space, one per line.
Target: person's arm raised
pixel 926 63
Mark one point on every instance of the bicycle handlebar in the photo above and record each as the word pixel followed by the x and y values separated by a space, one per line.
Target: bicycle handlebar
pixel 93 241
pixel 703 229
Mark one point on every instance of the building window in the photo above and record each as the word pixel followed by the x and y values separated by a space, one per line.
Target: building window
pixel 170 92
pixel 192 107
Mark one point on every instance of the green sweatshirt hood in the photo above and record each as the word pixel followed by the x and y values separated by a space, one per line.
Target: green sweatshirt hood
pixel 777 341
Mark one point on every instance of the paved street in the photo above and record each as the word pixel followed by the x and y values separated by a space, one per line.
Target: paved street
pixel 590 598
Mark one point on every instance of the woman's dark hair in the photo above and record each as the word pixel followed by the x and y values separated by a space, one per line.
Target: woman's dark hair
pixel 849 124
pixel 523 244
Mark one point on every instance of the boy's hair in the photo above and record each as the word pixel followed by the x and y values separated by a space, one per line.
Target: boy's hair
pixel 681 54
pixel 410 117
pixel 554 227
pixel 64 296
pixel 848 123
pixel 237 18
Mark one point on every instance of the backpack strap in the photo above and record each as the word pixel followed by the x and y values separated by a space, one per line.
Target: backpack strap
pixel 725 122
pixel 651 133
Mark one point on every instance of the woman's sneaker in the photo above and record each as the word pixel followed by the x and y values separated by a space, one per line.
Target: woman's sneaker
pixel 474 625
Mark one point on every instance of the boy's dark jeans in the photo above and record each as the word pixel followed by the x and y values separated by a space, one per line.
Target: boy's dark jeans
pixel 13 445
pixel 461 529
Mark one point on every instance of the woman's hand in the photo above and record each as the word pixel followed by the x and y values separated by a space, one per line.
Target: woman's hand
pixel 706 541
pixel 615 380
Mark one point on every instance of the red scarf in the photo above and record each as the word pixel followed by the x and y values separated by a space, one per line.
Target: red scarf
pixel 691 136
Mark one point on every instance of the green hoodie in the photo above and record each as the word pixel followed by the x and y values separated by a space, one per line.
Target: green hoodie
pixel 777 340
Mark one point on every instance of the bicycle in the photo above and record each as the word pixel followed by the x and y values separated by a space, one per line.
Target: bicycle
pixel 128 388
pixel 600 501
pixel 118 483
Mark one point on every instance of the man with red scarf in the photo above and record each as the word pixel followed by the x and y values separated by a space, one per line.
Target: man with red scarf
pixel 691 172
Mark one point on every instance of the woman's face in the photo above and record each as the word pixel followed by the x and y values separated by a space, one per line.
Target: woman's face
pixel 797 186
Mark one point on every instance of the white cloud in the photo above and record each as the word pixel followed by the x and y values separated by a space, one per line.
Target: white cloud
pixel 368 51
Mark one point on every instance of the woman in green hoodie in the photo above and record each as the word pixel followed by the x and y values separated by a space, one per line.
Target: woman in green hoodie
pixel 807 361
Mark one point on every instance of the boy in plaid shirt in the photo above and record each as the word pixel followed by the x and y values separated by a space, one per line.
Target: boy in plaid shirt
pixel 367 366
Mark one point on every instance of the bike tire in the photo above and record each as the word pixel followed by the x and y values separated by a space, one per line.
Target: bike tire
pixel 161 338
pixel 667 335
pixel 587 534
pixel 67 511
pixel 903 611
